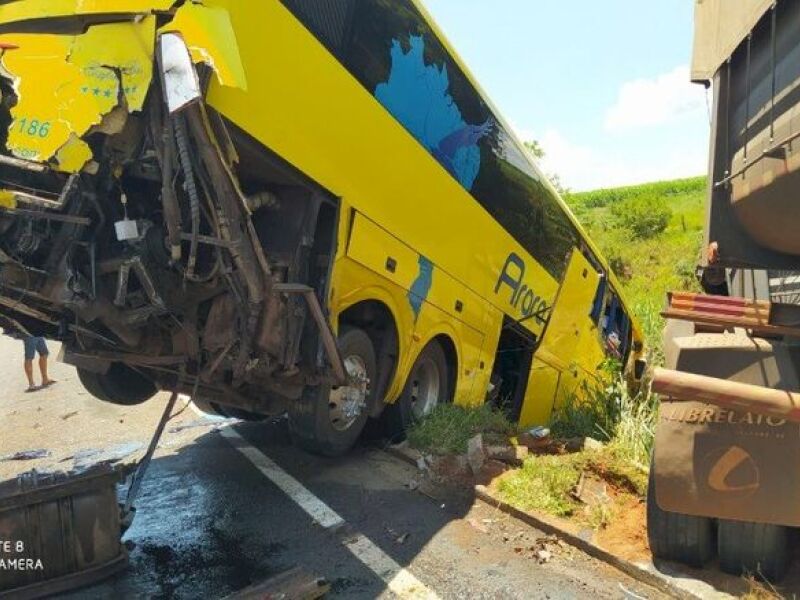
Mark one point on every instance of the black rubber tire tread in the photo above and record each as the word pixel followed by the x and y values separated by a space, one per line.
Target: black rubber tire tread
pixel 121 385
pixel 759 549
pixel 677 537
pixel 309 423
pixel 399 416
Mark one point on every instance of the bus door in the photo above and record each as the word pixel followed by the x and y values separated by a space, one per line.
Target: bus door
pixel 556 369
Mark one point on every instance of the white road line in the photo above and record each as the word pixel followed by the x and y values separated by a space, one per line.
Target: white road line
pixel 398 580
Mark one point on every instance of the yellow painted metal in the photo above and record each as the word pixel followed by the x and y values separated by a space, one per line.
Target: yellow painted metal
pixel 66 84
pixel 211 39
pixel 37 9
pixel 541 394
pixel 7 199
pixel 73 155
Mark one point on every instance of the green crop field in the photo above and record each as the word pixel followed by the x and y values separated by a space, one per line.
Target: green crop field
pixel 651 234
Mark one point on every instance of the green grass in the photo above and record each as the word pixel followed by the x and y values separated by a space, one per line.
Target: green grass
pixel 648 268
pixel 449 427
pixel 546 483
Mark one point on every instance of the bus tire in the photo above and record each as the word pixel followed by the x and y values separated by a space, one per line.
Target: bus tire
pixel 120 385
pixel 758 549
pixel 325 421
pixel 676 537
pixel 428 385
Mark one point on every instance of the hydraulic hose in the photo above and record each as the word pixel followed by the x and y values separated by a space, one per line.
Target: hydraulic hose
pixel 185 159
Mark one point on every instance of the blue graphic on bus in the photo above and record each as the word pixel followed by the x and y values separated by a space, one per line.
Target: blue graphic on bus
pixel 421 286
pixel 418 96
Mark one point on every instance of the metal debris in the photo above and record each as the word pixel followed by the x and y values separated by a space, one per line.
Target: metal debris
pixel 26 455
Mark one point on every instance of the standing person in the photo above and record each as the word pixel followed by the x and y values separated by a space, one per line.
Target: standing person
pixel 713 278
pixel 36 345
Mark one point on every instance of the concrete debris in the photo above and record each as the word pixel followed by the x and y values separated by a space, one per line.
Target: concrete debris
pixel 581 444
pixel 591 490
pixel 512 455
pixel 476 455
pixel 544 556
pixel 450 466
pixel 26 455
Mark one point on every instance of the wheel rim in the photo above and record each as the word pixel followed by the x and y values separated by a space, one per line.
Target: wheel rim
pixel 347 403
pixel 425 383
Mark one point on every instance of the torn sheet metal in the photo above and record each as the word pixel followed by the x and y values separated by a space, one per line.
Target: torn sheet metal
pixel 66 84
pixel 209 34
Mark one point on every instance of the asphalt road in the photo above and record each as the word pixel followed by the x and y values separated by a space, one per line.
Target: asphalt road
pixel 222 509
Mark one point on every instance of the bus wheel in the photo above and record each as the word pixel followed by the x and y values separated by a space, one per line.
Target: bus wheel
pixel 677 537
pixel 427 386
pixel 120 385
pixel 759 549
pixel 328 420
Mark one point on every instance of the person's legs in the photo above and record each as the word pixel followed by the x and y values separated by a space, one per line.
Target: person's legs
pixel 30 353
pixel 29 373
pixel 44 353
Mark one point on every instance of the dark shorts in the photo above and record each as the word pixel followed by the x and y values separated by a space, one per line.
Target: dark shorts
pixel 34 345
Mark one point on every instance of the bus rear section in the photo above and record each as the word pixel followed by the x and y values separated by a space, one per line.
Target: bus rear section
pixel 161 244
pixel 251 203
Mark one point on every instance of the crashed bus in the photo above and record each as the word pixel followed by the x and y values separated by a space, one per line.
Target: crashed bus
pixel 286 207
pixel 724 476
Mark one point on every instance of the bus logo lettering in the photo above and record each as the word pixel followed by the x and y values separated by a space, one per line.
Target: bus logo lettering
pixel 522 296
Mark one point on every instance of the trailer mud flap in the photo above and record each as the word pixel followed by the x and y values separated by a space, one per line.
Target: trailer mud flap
pixel 715 462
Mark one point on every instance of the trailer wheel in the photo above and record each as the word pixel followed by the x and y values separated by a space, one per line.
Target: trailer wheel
pixel 329 420
pixel 760 549
pixel 677 537
pixel 120 385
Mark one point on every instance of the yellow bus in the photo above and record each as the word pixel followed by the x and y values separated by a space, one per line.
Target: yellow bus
pixel 204 196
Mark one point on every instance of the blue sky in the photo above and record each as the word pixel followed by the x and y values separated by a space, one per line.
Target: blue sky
pixel 604 86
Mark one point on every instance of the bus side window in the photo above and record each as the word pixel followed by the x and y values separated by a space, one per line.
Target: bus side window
pixel 599 300
pixel 616 328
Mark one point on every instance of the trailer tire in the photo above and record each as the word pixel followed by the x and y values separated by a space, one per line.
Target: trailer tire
pixel 120 385
pixel 320 422
pixel 428 385
pixel 677 537
pixel 758 549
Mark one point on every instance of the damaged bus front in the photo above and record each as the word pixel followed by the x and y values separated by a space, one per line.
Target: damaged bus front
pixel 143 229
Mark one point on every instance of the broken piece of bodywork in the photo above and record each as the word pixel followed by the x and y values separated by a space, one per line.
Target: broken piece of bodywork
pixel 66 84
pixel 209 35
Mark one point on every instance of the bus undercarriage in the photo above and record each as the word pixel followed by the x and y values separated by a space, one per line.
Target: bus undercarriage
pixel 177 253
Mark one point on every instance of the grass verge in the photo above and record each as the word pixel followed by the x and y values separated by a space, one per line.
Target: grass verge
pixel 449 427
